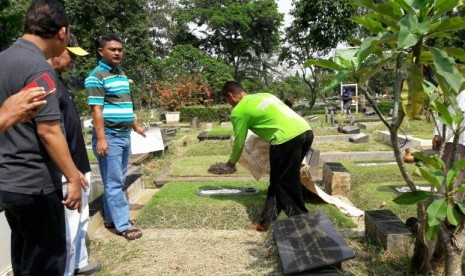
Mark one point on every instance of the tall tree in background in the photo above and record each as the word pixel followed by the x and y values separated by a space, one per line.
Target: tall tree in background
pixel 128 18
pixel 318 27
pixel 162 25
pixel 239 32
pixel 12 14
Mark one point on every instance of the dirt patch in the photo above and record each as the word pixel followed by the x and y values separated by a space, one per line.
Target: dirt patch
pixel 188 252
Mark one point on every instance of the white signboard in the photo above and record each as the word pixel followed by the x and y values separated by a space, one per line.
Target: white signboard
pixel 151 142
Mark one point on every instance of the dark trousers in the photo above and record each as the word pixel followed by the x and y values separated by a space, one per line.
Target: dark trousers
pixel 285 190
pixel 38 237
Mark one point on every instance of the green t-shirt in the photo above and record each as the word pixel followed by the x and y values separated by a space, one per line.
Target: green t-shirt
pixel 266 116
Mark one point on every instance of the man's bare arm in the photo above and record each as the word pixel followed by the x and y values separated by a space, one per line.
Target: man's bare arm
pixel 57 147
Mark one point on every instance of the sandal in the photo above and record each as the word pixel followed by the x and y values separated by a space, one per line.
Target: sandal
pixel 130 235
pixel 111 225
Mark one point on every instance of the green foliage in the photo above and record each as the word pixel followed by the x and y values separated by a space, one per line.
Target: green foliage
pixel 291 89
pixel 411 197
pixel 80 101
pixel 385 106
pixel 318 27
pixel 93 18
pixel 217 113
pixel 12 14
pixel 186 60
pixel 240 32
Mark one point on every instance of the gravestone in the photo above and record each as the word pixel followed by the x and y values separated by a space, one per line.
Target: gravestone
pixel 312 159
pixel 309 241
pixel 350 130
pixel 195 123
pixel 313 118
pixel 336 179
pixel 359 138
pixel 384 228
pixel 370 112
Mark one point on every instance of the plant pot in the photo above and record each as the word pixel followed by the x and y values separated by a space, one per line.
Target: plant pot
pixel 172 116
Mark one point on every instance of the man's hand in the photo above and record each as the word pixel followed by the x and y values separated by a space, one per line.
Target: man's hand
pixel 140 130
pixel 436 142
pixel 72 200
pixel 21 107
pixel 84 183
pixel 231 165
pixel 102 147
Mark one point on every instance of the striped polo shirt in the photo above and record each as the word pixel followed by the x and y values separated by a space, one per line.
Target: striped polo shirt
pixel 109 87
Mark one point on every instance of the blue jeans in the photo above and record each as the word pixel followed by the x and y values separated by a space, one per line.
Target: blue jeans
pixel 113 169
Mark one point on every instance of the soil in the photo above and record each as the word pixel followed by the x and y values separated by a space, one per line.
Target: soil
pixel 221 168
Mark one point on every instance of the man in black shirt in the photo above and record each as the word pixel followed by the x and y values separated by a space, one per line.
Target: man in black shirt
pixel 34 154
pixel 76 222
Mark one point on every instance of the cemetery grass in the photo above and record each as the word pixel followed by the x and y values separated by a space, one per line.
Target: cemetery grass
pixel 372 187
pixel 177 205
pixel 193 223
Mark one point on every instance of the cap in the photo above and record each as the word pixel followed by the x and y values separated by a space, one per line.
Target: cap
pixel 74 48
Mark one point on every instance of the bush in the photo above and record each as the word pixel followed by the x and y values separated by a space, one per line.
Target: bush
pixel 175 93
pixel 218 113
pixel 385 106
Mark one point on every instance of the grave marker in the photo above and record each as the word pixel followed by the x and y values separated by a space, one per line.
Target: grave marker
pixel 359 138
pixel 336 179
pixel 309 241
pixel 384 228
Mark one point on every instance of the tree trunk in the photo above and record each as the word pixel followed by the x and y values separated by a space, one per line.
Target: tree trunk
pixel 454 252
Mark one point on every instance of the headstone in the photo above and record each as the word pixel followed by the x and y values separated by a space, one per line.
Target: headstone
pixel 309 241
pixel 208 126
pixel 312 159
pixel 336 179
pixel 352 120
pixel 391 111
pixel 384 228
pixel 359 138
pixel 350 130
pixel 370 112
pixel 226 125
pixel 195 123
pixel 332 117
pixel 313 118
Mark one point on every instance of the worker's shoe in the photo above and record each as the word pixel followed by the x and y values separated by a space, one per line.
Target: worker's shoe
pixel 89 269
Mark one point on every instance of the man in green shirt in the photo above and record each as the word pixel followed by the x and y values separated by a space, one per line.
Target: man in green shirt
pixel 290 138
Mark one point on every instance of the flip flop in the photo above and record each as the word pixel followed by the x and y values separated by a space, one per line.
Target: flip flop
pixel 127 234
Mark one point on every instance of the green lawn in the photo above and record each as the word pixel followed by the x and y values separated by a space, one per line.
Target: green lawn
pixel 178 206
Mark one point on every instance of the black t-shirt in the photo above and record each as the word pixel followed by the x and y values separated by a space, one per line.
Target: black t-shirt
pixel 25 166
pixel 73 129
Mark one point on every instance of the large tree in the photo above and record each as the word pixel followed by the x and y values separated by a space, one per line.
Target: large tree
pixel 318 26
pixel 240 32
pixel 162 25
pixel 128 18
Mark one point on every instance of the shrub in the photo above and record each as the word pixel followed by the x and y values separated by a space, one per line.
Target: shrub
pixel 385 106
pixel 218 113
pixel 174 93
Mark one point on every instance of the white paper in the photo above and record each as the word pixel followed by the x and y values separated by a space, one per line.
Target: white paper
pixel 151 142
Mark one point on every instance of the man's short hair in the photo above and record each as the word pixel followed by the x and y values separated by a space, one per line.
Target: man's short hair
pixel 231 87
pixel 107 38
pixel 45 18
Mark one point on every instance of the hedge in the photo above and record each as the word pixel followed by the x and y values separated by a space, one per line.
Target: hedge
pixel 217 113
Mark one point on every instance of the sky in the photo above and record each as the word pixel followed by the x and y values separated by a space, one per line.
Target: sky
pixel 284 6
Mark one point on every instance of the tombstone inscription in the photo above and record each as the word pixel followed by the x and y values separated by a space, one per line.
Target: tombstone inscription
pixel 309 241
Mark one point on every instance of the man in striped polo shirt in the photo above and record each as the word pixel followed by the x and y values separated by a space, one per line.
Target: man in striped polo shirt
pixel 113 118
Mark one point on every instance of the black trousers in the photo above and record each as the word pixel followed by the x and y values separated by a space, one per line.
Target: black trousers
pixel 285 190
pixel 38 237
